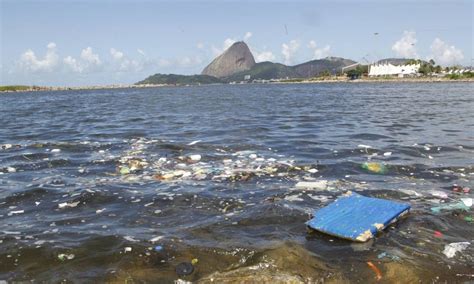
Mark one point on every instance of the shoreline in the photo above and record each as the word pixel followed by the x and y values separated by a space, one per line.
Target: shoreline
pixel 290 81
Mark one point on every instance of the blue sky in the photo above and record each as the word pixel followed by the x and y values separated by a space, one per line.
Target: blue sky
pixel 108 42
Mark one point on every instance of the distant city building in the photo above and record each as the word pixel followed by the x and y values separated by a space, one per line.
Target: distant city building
pixel 388 69
pixel 247 77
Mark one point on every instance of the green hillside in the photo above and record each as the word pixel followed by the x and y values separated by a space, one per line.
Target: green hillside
pixel 174 79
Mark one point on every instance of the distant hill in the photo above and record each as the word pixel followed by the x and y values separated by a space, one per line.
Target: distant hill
pixel 314 68
pixel 264 70
pixel 235 59
pixel 174 79
pixel 269 70
pixel 237 62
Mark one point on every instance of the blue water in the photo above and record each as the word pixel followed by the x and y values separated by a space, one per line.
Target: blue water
pixel 107 175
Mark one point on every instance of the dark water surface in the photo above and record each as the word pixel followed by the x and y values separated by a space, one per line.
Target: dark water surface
pixel 94 180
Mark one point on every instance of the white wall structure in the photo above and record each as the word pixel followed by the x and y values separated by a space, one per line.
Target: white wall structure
pixel 388 69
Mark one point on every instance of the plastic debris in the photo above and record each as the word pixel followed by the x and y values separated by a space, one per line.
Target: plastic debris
pixel 63 256
pixel 356 217
pixel 463 204
pixel 11 170
pixel 70 205
pixel 437 234
pixel 98 211
pixel 127 249
pixel 374 268
pixel 158 248
pixel 458 188
pixel 194 261
pixel 6 146
pixel 124 170
pixel 451 249
pixel 184 268
pixel 364 146
pixel 155 239
pixel 438 193
pixel 387 154
pixel 375 167
pixel 387 255
pixel 317 185
pixel 55 150
pixel 16 212
pixel 195 157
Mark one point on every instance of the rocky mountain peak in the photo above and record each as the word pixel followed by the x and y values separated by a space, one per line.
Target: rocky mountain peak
pixel 236 58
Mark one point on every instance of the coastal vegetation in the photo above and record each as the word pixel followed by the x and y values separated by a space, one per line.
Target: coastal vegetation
pixel 17 88
pixel 174 79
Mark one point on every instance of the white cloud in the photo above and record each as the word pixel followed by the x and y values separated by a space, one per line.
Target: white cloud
pixel 90 57
pixel 247 36
pixel 117 55
pixel 444 54
pixel 263 56
pixel 73 64
pixel 122 63
pixel 29 62
pixel 200 45
pixel 289 49
pixel 405 46
pixel 319 53
pixel 187 61
pixel 88 62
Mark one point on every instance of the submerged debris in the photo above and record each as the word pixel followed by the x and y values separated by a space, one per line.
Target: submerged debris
pixel 373 167
pixel 184 268
pixel 451 249
pixel 374 268
pixel 63 256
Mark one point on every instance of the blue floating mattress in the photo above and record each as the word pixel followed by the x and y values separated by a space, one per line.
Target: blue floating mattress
pixel 356 217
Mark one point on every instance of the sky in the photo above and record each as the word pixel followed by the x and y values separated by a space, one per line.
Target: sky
pixel 100 42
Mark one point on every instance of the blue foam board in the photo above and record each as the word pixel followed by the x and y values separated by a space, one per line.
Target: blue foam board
pixel 356 217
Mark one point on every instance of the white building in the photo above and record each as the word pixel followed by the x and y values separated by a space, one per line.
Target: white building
pixel 388 69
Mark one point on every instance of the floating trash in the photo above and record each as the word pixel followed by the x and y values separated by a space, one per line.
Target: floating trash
pixel 315 185
pixel 463 204
pixel 375 269
pixel 184 268
pixel 356 217
pixel 69 205
pixel 63 256
pixel 451 249
pixel 375 168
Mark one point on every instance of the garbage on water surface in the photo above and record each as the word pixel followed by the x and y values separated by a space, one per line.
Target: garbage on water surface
pixel 387 255
pixel 458 188
pixel 356 217
pixel 184 268
pixel 318 185
pixel 374 268
pixel 373 167
pixel 463 204
pixel 451 249
pixel 195 157
pixel 63 256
